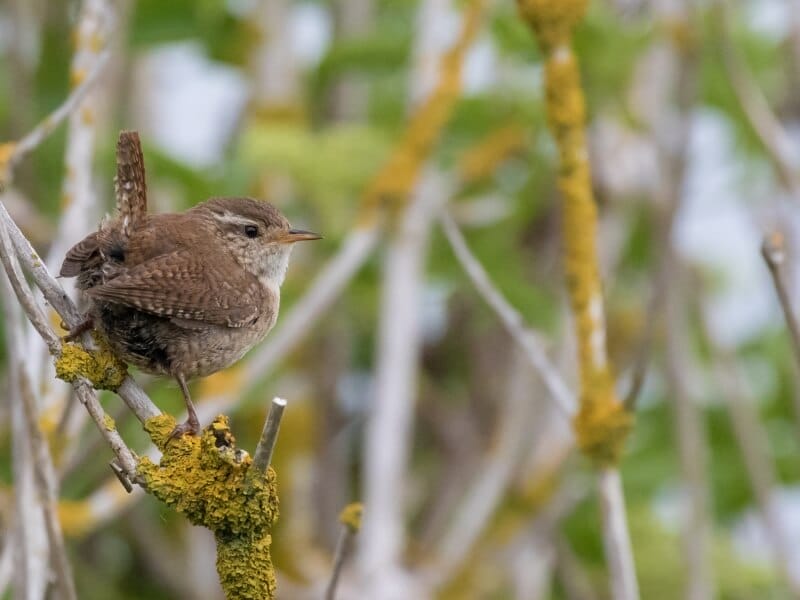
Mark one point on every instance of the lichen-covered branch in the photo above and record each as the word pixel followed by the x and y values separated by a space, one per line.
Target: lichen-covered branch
pixel 602 422
pixel 206 479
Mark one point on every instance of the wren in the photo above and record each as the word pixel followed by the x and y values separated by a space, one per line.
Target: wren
pixel 181 294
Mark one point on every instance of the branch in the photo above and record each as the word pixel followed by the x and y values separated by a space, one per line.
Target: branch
pixel 773 136
pixel 46 482
pixel 263 455
pixel 773 250
pixel 20 288
pixel 129 391
pixel 602 423
pixel 529 342
pixel 350 518
pixel 478 504
pixel 390 423
pixel 12 152
pixel 753 441
pixel 65 307
pixel 616 539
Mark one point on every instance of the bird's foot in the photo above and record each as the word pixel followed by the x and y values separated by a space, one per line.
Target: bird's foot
pixel 79 329
pixel 191 426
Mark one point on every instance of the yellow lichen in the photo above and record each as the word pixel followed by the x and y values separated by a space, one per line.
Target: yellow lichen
pixel 392 185
pixel 552 20
pixel 108 422
pixel 602 423
pixel 101 367
pixel 206 479
pixel 351 516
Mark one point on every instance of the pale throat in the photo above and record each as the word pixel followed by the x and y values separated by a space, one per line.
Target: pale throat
pixel 273 266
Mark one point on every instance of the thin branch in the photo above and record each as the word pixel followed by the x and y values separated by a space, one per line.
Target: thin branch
pixel 30 538
pixel 616 539
pixel 528 341
pixel 753 442
pixel 45 280
pixel 46 126
pixel 269 435
pixel 46 482
pixel 773 250
pixel 20 287
pixel 768 128
pixel 344 547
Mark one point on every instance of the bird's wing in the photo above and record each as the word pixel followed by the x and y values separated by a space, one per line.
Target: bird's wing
pixel 79 255
pixel 183 285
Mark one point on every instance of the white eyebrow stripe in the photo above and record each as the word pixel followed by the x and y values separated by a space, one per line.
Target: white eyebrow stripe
pixel 229 217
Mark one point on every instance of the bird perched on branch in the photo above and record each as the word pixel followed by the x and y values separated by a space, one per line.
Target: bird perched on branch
pixel 181 294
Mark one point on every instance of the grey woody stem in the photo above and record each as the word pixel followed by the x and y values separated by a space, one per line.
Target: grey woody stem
pixel 269 435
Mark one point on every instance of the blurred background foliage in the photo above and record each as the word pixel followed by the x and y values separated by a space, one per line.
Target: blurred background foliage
pixel 314 156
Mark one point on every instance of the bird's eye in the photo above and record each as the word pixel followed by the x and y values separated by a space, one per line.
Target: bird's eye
pixel 251 231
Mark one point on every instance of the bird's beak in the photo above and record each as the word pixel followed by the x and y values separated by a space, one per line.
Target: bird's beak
pixel 300 235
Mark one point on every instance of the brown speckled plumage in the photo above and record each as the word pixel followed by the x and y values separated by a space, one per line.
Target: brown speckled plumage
pixel 182 294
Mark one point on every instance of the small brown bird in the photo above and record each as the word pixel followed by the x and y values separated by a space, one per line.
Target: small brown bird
pixel 181 294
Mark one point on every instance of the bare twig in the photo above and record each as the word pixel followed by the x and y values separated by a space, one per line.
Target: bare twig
pixel 20 287
pixel 753 442
pixel 38 134
pixel 616 539
pixel 529 342
pixel 774 252
pixel 30 538
pixel 46 482
pixel 766 125
pixel 263 455
pixel 350 519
